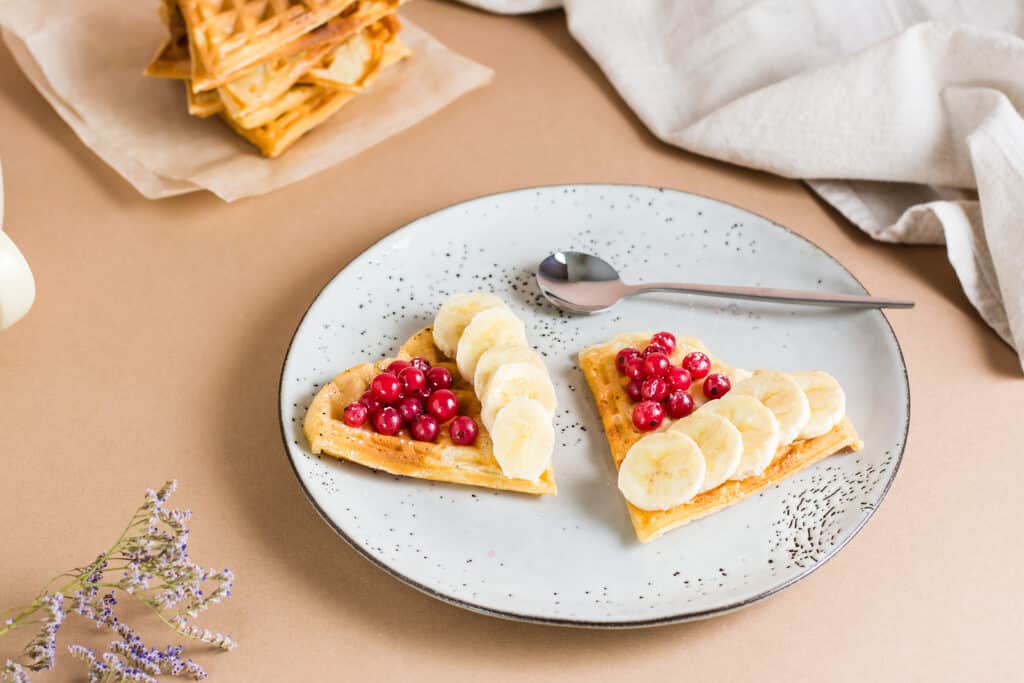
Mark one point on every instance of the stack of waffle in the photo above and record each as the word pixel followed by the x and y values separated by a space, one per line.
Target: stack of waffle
pixel 276 69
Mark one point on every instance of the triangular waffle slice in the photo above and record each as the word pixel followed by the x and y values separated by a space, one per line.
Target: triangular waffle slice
pixel 609 388
pixel 277 71
pixel 316 106
pixel 358 58
pixel 440 460
pixel 172 60
pixel 203 104
pixel 349 65
pixel 227 36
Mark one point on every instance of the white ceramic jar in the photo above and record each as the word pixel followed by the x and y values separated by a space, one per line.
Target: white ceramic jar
pixel 17 286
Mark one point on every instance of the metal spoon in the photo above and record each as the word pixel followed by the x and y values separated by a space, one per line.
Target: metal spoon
pixel 582 283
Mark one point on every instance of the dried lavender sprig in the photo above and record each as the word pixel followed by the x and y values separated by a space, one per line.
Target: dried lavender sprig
pixel 150 562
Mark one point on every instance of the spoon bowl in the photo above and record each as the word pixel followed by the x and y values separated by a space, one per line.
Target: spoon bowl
pixel 579 282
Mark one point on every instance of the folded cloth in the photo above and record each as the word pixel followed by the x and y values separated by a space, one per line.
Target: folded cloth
pixel 903 116
pixel 87 58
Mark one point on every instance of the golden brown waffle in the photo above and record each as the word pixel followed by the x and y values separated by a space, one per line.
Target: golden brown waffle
pixel 356 64
pixel 615 409
pixel 172 59
pixel 226 36
pixel 277 135
pixel 203 104
pixel 399 454
pixel 349 65
pixel 359 66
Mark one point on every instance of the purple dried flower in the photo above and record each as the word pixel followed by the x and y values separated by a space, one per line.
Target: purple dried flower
pixel 153 566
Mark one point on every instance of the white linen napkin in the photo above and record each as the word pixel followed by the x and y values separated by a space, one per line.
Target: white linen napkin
pixel 904 116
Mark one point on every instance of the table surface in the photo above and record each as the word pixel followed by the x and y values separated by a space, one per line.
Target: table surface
pixel 156 341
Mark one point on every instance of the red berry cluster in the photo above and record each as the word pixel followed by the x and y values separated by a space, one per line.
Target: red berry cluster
pixel 660 388
pixel 414 394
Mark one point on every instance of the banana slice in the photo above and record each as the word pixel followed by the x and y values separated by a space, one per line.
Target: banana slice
pixel 496 356
pixel 523 438
pixel 783 396
pixel 735 375
pixel 719 441
pixel 513 381
pixel 827 401
pixel 662 471
pixel 758 427
pixel 490 327
pixel 455 314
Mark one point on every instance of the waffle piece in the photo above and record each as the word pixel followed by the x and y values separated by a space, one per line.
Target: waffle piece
pixel 277 135
pixel 172 60
pixel 348 66
pixel 203 104
pixel 226 36
pixel 357 63
pixel 438 461
pixel 615 408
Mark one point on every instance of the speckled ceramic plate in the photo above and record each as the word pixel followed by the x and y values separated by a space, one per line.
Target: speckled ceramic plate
pixel 572 559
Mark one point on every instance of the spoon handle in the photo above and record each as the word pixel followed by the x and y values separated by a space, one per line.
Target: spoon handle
pixel 769 294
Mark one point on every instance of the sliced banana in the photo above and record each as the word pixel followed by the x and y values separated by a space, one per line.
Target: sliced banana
pixel 781 394
pixel 488 328
pixel 523 438
pixel 758 427
pixel 827 402
pixel 455 314
pixel 496 356
pixel 720 442
pixel 513 381
pixel 735 375
pixel 662 471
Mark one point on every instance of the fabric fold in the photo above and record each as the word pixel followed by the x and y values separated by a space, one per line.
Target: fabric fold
pixel 903 116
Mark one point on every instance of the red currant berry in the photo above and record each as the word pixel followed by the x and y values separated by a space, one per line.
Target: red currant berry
pixel 355 414
pixel 656 365
pixel 409 408
pixel 634 368
pixel 385 387
pixel 697 364
pixel 413 381
pixel 387 421
pixel 648 416
pixel 439 378
pixel 396 366
pixel 666 340
pixel 624 355
pixel 678 378
pixel 678 404
pixel 633 389
pixel 463 430
pixel 443 404
pixel 654 389
pixel 654 347
pixel 420 363
pixel 716 385
pixel 425 428
pixel 371 403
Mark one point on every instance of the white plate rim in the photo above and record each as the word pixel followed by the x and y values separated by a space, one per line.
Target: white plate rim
pixel 583 623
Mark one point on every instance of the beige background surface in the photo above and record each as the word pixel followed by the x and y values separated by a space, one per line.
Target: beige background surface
pixel 155 344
